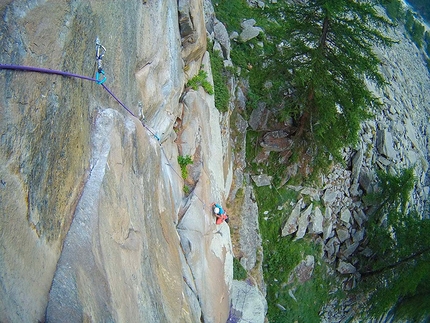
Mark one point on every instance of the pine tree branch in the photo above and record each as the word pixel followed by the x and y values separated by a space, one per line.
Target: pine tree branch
pixel 394 265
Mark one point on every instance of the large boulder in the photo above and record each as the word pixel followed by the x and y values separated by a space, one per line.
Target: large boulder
pixel 385 144
pixel 259 117
pixel 248 303
pixel 290 226
pixel 250 240
pixel 278 140
pixel 303 271
pixel 317 221
pixel 303 222
pixel 249 31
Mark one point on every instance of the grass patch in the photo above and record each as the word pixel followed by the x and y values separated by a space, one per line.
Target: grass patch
pixel 281 256
pixel 239 273
pixel 248 56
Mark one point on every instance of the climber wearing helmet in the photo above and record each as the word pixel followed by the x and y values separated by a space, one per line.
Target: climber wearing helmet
pixel 220 213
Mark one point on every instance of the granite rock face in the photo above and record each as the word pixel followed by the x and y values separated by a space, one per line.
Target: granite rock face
pixel 94 215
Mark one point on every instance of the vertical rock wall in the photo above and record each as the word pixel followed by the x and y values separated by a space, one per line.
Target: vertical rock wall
pixel 90 198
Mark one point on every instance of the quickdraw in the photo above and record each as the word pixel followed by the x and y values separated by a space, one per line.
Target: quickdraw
pixel 100 52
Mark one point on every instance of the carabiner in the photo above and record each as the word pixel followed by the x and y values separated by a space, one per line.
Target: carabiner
pixel 100 52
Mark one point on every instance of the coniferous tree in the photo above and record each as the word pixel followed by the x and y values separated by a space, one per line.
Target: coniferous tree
pixel 397 274
pixel 324 54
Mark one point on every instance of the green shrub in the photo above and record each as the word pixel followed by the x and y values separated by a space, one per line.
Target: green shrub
pixel 239 273
pixel 222 94
pixel 201 80
pixel 186 190
pixel 184 161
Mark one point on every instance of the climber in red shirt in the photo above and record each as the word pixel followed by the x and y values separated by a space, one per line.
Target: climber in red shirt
pixel 220 213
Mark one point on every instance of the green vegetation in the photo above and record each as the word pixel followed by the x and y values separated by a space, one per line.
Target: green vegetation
pixel 399 271
pixel 413 25
pixel 201 80
pixel 427 42
pixel 394 9
pixel 222 95
pixel 239 273
pixel 325 56
pixel 282 254
pixel 415 28
pixel 248 56
pixel 314 68
pixel 184 161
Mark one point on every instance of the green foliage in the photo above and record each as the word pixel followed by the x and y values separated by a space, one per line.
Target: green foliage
pixel 415 28
pixel 399 270
pixel 186 189
pixel 184 161
pixel 249 56
pixel 201 80
pixel 281 256
pixel 324 54
pixel 231 13
pixel 394 9
pixel 427 42
pixel 393 194
pixel 222 94
pixel 239 273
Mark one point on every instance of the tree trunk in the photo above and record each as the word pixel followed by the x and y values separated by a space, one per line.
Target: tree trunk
pixel 305 117
pixel 323 39
pixel 396 264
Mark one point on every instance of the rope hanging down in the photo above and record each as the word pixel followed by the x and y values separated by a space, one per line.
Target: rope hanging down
pixel 100 52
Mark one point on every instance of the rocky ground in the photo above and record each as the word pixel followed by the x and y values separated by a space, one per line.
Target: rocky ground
pixel 397 138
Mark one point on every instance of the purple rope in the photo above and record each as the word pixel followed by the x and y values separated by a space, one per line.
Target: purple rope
pixel 44 70
pixel 117 100
pixel 68 74
pixel 62 73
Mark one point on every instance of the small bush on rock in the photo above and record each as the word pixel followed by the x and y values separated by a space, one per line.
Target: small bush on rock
pixel 201 80
pixel 184 161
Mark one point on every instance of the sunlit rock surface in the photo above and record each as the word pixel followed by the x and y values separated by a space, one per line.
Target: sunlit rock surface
pixel 90 198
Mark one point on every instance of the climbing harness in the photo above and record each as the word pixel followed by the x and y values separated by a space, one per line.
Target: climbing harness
pixel 100 52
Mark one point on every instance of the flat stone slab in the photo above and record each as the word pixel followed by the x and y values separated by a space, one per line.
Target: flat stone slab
pixel 262 180
pixel 346 268
pixel 248 304
pixel 291 225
